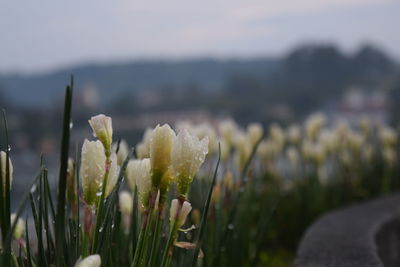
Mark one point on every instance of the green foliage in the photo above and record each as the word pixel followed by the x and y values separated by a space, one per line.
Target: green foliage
pixel 250 216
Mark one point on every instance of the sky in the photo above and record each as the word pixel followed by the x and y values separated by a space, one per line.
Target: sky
pixel 38 36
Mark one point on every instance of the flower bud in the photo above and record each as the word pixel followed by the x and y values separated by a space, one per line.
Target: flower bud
pixel 91 261
pixel 123 151
pixel 254 133
pixel 268 150
pixel 3 167
pixel 139 172
pixel 329 140
pixel 72 194
pixel 387 136
pixel 112 174
pixel 161 142
pixel 19 227
pixel 294 134
pixel 179 213
pixel 243 150
pixel 225 149
pixel 102 129
pixel 143 148
pixel 130 173
pixel 277 136
pixel 125 203
pixel 92 169
pixel 205 130
pixel 314 124
pixel 355 141
pixel 188 153
pixel 228 129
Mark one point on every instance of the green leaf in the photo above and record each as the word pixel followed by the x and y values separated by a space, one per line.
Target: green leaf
pixel 62 183
pixel 205 211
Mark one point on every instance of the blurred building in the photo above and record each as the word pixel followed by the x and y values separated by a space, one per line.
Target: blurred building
pixel 358 103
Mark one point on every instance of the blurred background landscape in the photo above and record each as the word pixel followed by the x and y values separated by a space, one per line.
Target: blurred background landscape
pixel 143 65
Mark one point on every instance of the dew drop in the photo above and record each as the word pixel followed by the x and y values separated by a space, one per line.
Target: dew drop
pixel 71 125
pixel 33 189
pixel 231 226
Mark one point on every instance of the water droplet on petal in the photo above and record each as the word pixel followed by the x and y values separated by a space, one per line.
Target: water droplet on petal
pixel 33 189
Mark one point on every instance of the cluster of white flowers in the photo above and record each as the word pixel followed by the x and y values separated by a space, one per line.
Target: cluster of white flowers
pixel 99 165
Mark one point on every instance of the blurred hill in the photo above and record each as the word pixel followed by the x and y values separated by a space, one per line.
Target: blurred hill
pixel 112 79
pixel 308 78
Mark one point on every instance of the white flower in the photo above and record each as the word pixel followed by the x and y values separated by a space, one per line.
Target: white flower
pixel 183 212
pixel 243 149
pixel 113 174
pixel 91 261
pixel 313 151
pixel 277 136
pixel 329 140
pixel 227 129
pixel 387 136
pixel 102 129
pixel 225 150
pixel 19 227
pixel 143 148
pixel 355 140
pixel 122 151
pixel 188 153
pixel 294 134
pixel 254 132
pixel 3 166
pixel 92 169
pixel 130 173
pixel 206 130
pixel 162 139
pixel 139 172
pixel 314 124
pixel 72 195
pixel 125 202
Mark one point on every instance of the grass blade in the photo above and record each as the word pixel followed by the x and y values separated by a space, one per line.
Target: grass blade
pixel 62 183
pixel 205 211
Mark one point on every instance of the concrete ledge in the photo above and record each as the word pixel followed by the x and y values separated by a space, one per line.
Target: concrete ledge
pixel 350 237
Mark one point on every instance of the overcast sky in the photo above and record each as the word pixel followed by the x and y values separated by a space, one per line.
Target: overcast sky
pixel 47 34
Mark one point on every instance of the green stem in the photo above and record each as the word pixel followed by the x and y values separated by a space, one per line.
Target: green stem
pixel 143 252
pixel 99 220
pixel 156 239
pixel 140 240
pixel 167 255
